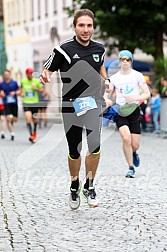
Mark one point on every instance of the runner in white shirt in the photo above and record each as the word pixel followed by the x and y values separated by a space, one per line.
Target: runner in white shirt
pixel 131 88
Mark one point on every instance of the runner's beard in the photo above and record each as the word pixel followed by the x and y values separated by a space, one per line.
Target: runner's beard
pixel 82 40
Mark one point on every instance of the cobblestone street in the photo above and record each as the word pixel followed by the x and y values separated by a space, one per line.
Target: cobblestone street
pixel 34 191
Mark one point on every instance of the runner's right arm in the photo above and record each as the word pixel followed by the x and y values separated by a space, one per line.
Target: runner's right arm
pixel 52 64
pixel 45 76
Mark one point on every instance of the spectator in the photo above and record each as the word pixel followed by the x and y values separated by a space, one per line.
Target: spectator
pixel 143 107
pixel 155 104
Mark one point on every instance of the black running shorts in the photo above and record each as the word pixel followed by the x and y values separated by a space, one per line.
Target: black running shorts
pixel 11 109
pixel 33 108
pixel 132 121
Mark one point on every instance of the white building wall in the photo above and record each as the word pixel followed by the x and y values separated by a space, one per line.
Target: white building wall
pixel 17 36
pixel 41 27
pixel 52 15
pixel 19 58
pixel 28 35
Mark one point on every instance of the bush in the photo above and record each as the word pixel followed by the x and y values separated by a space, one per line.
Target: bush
pixel 160 70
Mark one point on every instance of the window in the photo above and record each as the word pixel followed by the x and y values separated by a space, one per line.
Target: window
pixel 17 12
pixel 55 6
pixel 46 8
pixel 46 27
pixel 13 13
pixel 36 66
pixel 24 11
pixel 39 30
pixel 64 4
pixel 9 13
pixel 39 9
pixel 32 10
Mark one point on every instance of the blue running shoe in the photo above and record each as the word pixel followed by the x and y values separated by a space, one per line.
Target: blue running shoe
pixel 136 159
pixel 131 173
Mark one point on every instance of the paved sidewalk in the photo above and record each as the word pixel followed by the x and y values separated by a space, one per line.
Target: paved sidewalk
pixel 34 191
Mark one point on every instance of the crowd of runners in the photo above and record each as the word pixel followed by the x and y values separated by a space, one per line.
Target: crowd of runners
pixel 34 101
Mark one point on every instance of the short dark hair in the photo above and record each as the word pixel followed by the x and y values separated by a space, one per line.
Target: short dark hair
pixel 80 13
pixel 7 70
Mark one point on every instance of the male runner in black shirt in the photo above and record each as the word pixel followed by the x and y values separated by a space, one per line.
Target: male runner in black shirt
pixel 80 61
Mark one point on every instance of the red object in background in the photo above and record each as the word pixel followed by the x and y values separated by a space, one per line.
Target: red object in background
pixel 29 71
pixel 147 118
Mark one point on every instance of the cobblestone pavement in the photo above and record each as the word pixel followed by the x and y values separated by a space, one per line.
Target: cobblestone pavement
pixel 34 191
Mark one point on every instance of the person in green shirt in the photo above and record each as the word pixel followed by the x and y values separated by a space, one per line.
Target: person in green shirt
pixel 30 88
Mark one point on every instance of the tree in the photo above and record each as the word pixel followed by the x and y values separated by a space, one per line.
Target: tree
pixel 125 24
pixel 160 68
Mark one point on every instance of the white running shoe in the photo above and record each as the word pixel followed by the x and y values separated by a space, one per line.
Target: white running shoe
pixel 90 196
pixel 131 173
pixel 74 200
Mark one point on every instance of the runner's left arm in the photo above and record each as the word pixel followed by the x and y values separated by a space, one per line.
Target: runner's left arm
pixel 144 95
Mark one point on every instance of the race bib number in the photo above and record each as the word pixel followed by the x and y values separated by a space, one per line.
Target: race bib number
pixel 10 99
pixel 30 94
pixel 82 105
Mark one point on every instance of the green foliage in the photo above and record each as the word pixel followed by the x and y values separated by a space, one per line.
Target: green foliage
pixel 160 68
pixel 130 24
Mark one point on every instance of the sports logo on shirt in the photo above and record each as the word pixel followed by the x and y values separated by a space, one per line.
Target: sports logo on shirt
pixel 96 57
pixel 76 56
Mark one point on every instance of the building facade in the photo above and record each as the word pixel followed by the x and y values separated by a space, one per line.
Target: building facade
pixel 17 36
pixel 3 57
pixel 49 26
pixel 32 29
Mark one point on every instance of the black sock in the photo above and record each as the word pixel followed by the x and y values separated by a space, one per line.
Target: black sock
pixel 35 126
pixel 29 127
pixel 131 168
pixel 75 184
pixel 89 183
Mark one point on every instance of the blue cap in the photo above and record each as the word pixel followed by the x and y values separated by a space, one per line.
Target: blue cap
pixel 126 53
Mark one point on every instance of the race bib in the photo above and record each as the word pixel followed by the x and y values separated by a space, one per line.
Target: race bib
pixel 30 94
pixel 10 99
pixel 82 105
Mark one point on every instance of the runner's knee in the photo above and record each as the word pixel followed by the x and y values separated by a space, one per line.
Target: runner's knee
pixel 74 155
pixel 96 151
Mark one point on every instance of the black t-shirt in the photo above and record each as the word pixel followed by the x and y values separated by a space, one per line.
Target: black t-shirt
pixel 79 67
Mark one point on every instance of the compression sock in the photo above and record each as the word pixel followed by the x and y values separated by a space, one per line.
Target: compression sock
pixel 35 127
pixel 89 183
pixel 29 127
pixel 75 184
